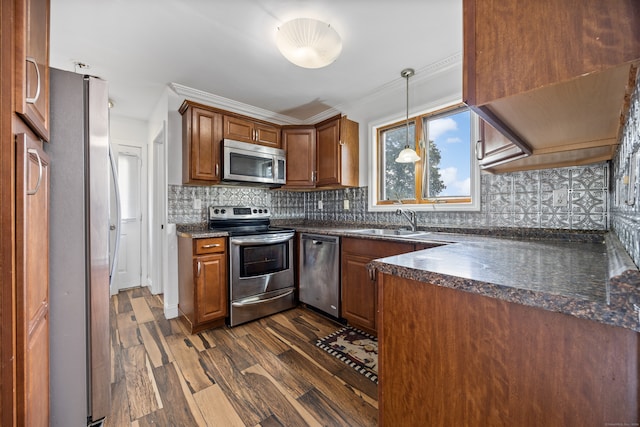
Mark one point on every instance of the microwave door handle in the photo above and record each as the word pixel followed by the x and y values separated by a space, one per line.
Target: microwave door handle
pixel 262 240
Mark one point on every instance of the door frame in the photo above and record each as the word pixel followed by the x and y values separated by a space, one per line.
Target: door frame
pixel 157 245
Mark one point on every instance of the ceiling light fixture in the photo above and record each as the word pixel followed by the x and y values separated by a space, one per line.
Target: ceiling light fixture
pixel 408 155
pixel 308 43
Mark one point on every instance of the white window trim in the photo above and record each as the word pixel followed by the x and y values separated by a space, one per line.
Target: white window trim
pixel 474 206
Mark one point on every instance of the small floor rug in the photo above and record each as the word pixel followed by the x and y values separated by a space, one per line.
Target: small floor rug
pixel 354 347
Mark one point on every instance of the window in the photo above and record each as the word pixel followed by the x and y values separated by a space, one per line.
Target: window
pixel 447 175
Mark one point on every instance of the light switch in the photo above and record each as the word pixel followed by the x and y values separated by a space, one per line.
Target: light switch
pixel 346 204
pixel 320 205
pixel 197 204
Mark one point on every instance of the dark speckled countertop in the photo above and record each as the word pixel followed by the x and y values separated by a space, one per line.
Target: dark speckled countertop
pixel 586 275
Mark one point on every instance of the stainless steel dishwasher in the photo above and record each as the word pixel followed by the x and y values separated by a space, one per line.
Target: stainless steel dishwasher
pixel 320 272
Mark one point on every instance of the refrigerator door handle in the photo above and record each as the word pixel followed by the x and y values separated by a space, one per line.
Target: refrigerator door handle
pixel 114 175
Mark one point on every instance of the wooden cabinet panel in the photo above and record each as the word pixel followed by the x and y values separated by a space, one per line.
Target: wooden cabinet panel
pixel 328 159
pixel 32 64
pixel 212 297
pixel 201 145
pixel 358 292
pixel 358 285
pixel 32 281
pixel 246 130
pixel 202 282
pixel 494 148
pixel 300 146
pixel 483 361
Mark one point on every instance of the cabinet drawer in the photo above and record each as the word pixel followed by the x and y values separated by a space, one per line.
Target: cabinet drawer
pixel 209 246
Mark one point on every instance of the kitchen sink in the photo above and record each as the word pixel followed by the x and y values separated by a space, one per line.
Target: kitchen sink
pixel 390 232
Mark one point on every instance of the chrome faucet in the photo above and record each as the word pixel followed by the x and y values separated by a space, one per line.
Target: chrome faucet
pixel 410 216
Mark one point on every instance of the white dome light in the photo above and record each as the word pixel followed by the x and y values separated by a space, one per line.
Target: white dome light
pixel 308 43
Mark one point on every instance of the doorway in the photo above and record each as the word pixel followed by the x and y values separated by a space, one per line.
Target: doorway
pixel 128 271
pixel 157 215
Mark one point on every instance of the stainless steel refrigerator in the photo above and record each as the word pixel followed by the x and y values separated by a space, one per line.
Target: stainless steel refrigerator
pixel 80 357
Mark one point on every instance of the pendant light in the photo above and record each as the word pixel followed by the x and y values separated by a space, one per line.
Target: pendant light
pixel 407 155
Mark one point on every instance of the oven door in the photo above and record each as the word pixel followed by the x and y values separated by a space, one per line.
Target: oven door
pixel 260 264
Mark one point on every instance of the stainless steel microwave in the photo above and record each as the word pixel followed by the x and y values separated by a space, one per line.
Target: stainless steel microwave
pixel 251 163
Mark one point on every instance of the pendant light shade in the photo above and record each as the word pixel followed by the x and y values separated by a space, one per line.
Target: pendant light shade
pixel 308 43
pixel 407 155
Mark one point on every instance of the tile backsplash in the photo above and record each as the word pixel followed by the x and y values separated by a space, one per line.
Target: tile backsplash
pixel 625 187
pixel 520 199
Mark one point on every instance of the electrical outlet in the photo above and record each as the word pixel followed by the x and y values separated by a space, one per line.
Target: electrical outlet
pixel 320 205
pixel 197 204
pixel 346 204
pixel 560 197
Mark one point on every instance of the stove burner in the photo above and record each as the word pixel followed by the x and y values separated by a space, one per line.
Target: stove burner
pixel 242 221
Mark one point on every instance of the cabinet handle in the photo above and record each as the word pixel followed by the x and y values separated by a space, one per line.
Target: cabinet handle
pixel 217 169
pixel 213 245
pixel 480 152
pixel 35 190
pixel 314 176
pixel 198 270
pixel 35 98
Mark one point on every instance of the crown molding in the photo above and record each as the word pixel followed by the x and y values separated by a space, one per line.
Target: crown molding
pixel 423 74
pixel 231 105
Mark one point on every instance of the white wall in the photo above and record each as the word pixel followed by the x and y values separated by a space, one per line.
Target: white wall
pixel 133 132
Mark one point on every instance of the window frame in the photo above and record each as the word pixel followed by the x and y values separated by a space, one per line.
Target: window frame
pixel 444 203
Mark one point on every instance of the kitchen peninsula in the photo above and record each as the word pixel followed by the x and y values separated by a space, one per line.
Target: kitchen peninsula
pixel 503 331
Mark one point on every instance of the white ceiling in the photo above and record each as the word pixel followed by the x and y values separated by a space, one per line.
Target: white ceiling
pixel 227 48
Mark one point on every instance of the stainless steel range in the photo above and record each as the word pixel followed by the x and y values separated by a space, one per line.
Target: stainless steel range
pixel 261 275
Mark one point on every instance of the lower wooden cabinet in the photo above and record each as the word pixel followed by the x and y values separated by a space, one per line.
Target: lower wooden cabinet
pixel 359 290
pixel 202 276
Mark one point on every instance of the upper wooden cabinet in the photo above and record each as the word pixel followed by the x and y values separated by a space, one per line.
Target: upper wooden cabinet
pixel 201 144
pixel 248 130
pixel 322 156
pixel 32 64
pixel 552 76
pixel 300 145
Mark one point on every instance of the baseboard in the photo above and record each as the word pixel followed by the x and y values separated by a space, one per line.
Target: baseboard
pixel 171 311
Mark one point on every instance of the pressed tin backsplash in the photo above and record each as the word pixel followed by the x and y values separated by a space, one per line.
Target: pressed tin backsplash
pixel 625 194
pixel 520 199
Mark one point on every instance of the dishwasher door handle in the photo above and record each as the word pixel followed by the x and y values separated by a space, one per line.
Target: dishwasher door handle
pixel 317 242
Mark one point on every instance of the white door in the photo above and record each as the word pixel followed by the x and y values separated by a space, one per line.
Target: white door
pixel 128 272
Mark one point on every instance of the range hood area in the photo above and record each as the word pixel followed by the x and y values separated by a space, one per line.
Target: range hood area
pixel 552 95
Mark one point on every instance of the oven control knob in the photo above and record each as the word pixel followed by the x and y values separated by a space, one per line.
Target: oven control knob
pixel 223 211
pixel 255 211
pixel 266 211
pixel 260 210
pixel 216 211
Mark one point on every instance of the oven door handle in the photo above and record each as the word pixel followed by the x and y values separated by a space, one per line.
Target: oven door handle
pixel 263 239
pixel 253 301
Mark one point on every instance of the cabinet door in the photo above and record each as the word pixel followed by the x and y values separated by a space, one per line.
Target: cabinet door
pixel 267 135
pixel 238 129
pixel 300 145
pixel 358 292
pixel 328 159
pixel 32 281
pixel 494 148
pixel 201 160
pixel 32 64
pixel 211 288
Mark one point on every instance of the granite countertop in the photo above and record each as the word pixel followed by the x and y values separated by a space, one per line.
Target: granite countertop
pixel 197 231
pixel 586 275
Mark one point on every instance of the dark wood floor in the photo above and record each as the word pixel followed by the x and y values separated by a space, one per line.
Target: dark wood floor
pixel 267 372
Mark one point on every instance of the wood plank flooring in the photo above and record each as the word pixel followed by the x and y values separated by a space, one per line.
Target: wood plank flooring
pixel 264 373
